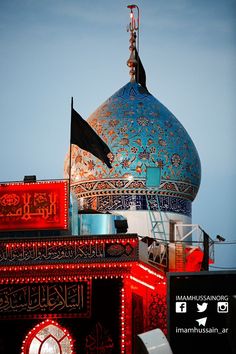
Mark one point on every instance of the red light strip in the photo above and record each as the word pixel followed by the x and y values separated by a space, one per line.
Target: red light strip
pixel 151 271
pixel 142 282
pixel 122 320
pixel 100 271
pixel 60 266
pixel 16 244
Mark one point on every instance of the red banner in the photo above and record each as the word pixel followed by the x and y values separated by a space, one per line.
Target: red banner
pixel 34 206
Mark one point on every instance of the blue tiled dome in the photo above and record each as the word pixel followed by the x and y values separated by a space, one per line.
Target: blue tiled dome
pixel 140 132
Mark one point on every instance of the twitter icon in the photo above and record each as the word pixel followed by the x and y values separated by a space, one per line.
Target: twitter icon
pixel 202 307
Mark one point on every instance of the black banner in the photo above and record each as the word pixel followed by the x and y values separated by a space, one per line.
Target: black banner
pixel 65 251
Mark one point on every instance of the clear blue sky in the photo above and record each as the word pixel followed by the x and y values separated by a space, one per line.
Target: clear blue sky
pixel 51 50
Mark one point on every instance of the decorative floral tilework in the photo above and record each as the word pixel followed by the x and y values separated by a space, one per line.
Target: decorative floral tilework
pixel 141 132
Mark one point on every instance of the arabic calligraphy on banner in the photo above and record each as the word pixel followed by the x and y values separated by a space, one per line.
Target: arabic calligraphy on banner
pixel 61 299
pixel 85 249
pixel 34 206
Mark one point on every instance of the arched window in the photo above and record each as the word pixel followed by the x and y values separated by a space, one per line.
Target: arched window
pixel 48 337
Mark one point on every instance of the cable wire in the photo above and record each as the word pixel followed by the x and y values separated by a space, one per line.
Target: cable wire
pixel 229 268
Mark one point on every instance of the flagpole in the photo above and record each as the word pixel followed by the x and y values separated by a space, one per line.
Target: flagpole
pixel 70 148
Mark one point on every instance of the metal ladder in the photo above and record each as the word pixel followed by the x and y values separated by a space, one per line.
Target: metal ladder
pixel 157 251
pixel 153 181
pixel 157 226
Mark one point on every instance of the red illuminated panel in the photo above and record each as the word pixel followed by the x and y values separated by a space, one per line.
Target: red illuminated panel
pixel 34 206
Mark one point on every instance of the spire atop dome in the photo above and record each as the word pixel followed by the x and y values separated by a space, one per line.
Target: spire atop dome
pixel 137 71
pixel 133 28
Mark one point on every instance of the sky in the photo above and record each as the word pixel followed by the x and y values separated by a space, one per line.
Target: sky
pixel 51 50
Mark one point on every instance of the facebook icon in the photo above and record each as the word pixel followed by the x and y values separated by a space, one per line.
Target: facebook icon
pixel 180 307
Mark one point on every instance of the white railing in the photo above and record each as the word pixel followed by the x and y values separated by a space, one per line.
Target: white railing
pixel 190 236
pixel 193 234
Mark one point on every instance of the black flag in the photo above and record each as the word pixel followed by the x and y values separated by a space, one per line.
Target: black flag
pixel 83 135
pixel 140 75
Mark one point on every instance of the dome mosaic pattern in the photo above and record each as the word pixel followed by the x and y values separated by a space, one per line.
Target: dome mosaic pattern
pixel 140 131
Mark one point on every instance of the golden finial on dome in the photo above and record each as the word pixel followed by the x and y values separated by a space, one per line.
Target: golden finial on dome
pixel 133 28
